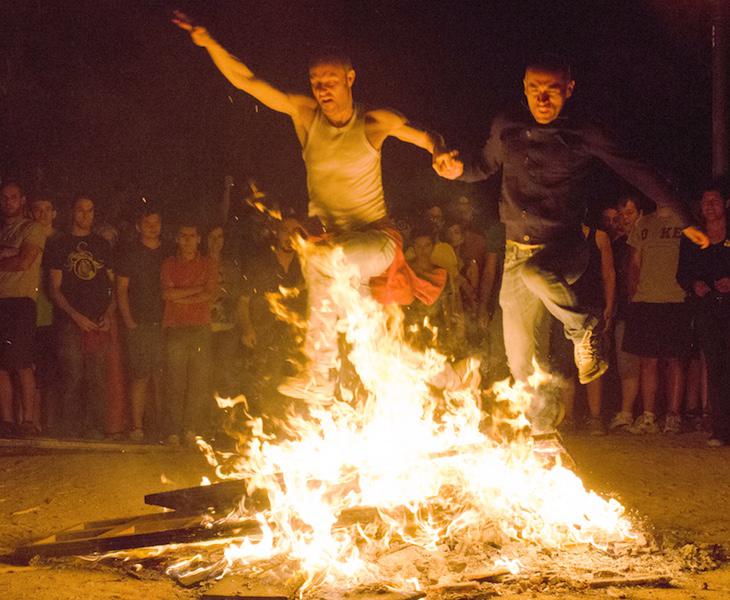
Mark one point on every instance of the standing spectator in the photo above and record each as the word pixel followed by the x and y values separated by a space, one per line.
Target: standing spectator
pixel 82 290
pixel 658 325
pixel 21 246
pixel 628 365
pixel 706 275
pixel 44 213
pixel 139 294
pixel 189 283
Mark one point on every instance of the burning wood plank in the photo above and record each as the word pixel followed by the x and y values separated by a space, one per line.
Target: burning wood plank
pixel 133 532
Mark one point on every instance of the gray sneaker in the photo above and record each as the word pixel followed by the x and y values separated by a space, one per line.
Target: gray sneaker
pixel 621 421
pixel 645 423
pixel 589 359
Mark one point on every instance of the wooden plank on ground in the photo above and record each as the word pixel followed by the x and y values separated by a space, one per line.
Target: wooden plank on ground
pixel 183 529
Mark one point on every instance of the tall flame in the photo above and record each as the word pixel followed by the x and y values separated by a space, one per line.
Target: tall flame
pixel 419 456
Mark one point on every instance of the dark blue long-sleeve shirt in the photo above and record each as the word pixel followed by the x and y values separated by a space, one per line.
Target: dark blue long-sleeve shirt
pixel 546 174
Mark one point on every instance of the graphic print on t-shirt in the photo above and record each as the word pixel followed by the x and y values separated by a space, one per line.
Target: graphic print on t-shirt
pixel 81 262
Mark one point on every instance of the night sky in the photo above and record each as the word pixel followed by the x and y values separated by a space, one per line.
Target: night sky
pixel 109 98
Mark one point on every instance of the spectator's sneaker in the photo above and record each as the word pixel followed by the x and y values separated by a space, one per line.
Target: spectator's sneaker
pixel 645 423
pixel 595 426
pixel 621 421
pixel 136 435
pixel 672 423
pixel 309 385
pixel 589 357
pixel 715 442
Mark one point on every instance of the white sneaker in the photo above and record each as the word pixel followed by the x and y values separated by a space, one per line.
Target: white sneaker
pixel 621 420
pixel 309 385
pixel 672 423
pixel 589 358
pixel 645 423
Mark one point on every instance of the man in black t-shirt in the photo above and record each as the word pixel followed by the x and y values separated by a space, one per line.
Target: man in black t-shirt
pixel 81 289
pixel 139 293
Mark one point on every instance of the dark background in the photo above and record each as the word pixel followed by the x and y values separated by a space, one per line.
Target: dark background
pixel 110 99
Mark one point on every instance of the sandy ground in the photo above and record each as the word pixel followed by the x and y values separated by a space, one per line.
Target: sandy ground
pixel 676 484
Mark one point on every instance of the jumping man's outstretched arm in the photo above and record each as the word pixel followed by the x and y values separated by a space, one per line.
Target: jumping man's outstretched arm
pixel 241 76
pixel 383 123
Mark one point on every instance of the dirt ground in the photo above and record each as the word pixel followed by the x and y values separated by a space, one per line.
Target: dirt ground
pixel 678 486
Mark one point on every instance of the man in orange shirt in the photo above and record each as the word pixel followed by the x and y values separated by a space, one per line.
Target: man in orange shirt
pixel 189 283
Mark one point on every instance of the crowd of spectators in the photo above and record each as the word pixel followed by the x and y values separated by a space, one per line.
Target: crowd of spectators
pixel 129 333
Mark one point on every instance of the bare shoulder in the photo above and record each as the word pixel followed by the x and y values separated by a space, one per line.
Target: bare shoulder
pixel 303 115
pixel 384 118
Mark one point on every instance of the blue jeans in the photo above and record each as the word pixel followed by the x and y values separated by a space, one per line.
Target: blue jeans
pixel 537 279
pixel 82 409
pixel 187 378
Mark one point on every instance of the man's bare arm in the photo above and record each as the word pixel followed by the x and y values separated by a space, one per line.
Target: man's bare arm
pixel 123 300
pixel 22 260
pixel 382 123
pixel 241 76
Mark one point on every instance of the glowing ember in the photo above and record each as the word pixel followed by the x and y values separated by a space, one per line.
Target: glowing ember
pixel 436 481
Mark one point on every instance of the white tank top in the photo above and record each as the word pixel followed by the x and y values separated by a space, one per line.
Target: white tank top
pixel 344 180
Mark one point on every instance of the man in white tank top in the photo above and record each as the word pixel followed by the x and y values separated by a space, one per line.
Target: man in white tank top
pixel 341 145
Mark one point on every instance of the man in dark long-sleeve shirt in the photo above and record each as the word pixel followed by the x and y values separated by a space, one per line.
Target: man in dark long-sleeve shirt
pixel 545 157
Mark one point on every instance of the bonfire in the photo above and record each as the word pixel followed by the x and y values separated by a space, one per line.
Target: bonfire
pixel 437 489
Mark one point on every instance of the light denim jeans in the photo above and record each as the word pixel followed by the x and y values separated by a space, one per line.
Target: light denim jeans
pixel 537 279
pixel 372 251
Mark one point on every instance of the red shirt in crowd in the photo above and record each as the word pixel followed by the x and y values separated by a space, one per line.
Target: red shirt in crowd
pixel 179 273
